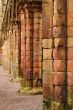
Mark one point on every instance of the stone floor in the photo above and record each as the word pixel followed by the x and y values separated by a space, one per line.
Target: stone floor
pixel 11 100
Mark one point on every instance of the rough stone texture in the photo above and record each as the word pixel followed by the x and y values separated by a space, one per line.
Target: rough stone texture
pixel 47 54
pixel 70 42
pixel 59 65
pixel 47 43
pixel 48 65
pixel 59 78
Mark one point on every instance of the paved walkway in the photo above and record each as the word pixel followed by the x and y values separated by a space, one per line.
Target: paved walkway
pixel 11 100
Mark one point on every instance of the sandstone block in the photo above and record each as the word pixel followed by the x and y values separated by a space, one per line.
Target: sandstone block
pixel 28 58
pixel 48 31
pixel 47 43
pixel 48 91
pixel 37 72
pixel 39 53
pixel 70 53
pixel 37 58
pixel 28 47
pixel 37 64
pixel 59 65
pixel 59 19
pixel 60 42
pixel 70 6
pixel 70 31
pixel 70 78
pixel 48 65
pixel 59 53
pixel 59 78
pixel 47 79
pixel 59 31
pixel 47 54
pixel 70 19
pixel 60 93
pixel 70 65
pixel 29 40
pixel 28 65
pixel 29 74
pixel 70 42
pixel 60 6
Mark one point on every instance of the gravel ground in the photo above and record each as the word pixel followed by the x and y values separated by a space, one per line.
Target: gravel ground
pixel 11 100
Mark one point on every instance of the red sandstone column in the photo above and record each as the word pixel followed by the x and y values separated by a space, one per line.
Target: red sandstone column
pixel 47 69
pixel 70 52
pixel 29 72
pixel 37 44
pixel 60 53
pixel 54 54
pixel 23 45
pixel 18 46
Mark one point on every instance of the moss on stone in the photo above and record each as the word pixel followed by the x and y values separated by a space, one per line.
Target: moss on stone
pixel 30 91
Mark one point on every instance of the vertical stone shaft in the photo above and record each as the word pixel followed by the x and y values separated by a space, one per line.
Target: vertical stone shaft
pixel 23 46
pixel 29 64
pixel 17 48
pixel 60 53
pixel 48 54
pixel 37 44
pixel 70 52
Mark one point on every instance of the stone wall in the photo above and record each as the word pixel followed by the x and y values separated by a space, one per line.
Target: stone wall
pixel 57 54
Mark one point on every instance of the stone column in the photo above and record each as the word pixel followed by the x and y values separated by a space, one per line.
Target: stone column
pixel 23 41
pixel 60 54
pixel 18 47
pixel 47 54
pixel 55 54
pixel 29 63
pixel 37 44
pixel 70 52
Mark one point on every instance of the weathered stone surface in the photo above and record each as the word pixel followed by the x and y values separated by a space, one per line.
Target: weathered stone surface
pixel 70 78
pixel 36 47
pixel 59 78
pixel 48 91
pixel 70 53
pixel 70 42
pixel 70 31
pixel 37 64
pixel 70 65
pixel 28 65
pixel 59 19
pixel 47 43
pixel 38 72
pixel 70 6
pixel 47 78
pixel 70 19
pixel 59 31
pixel 59 53
pixel 60 93
pixel 29 40
pixel 28 47
pixel 59 42
pixel 48 65
pixel 47 54
pixel 59 65
pixel 60 6
pixel 37 58
pixel 48 6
